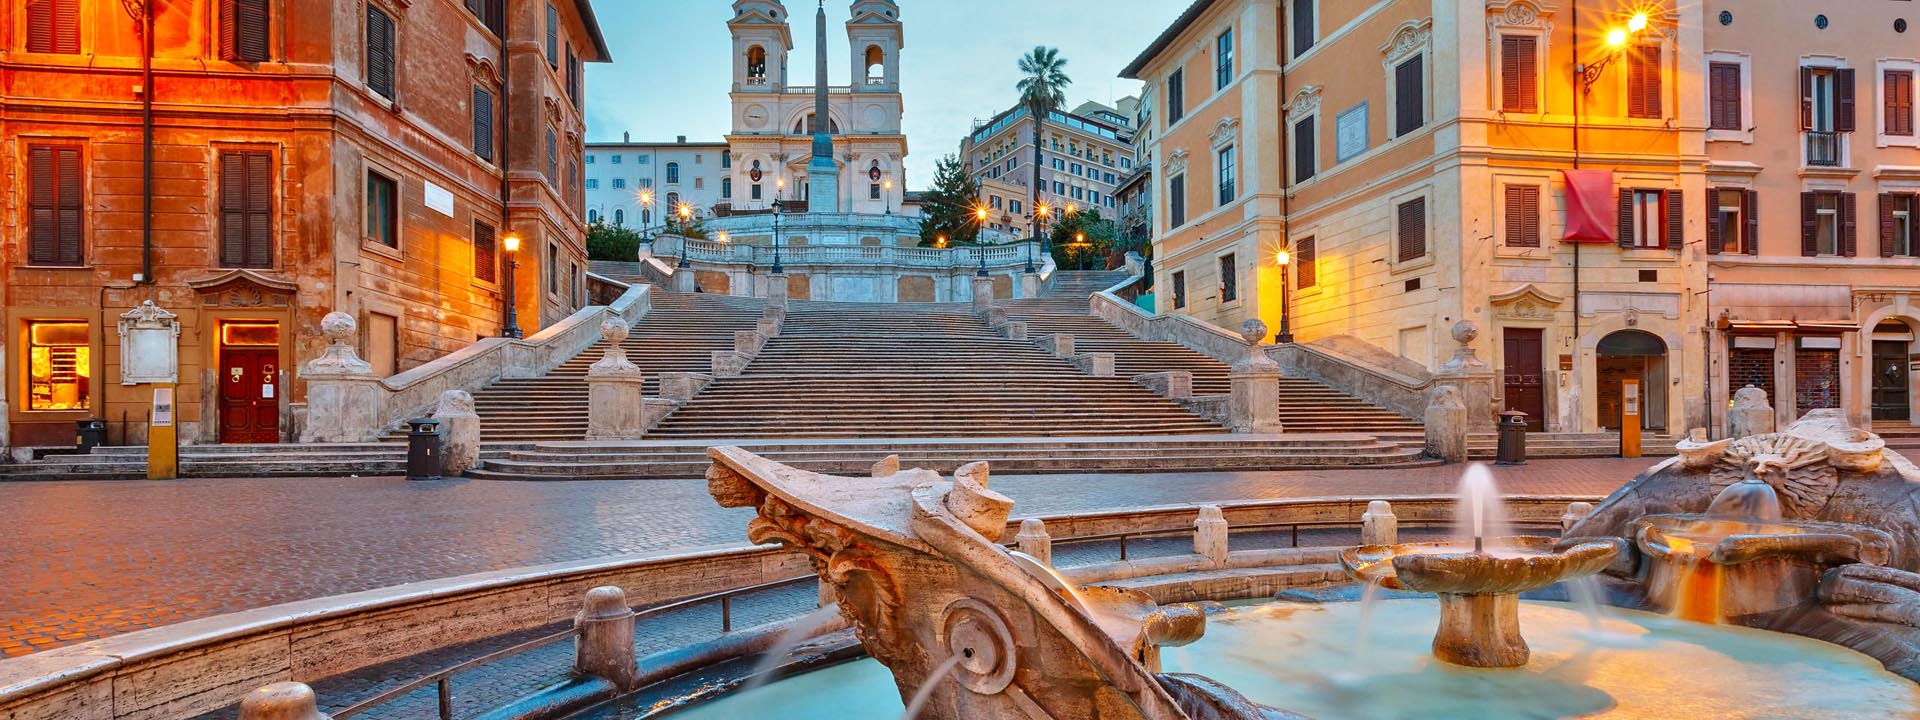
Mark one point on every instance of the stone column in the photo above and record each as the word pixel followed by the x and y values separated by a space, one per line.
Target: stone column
pixel 460 447
pixel 1210 535
pixel 683 279
pixel 982 294
pixel 1473 378
pixel 1029 285
pixel 1751 415
pixel 346 402
pixel 1378 525
pixel 1034 540
pixel 777 291
pixel 1446 424
pixel 616 406
pixel 281 701
pixel 1253 402
pixel 604 647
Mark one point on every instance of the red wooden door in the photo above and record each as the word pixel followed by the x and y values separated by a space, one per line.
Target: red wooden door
pixel 1525 384
pixel 249 402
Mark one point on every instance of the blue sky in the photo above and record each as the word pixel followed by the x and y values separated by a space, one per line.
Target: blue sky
pixel 671 67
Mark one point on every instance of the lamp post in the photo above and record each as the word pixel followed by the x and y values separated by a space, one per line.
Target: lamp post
pixel 886 194
pixel 1617 41
pixel 777 269
pixel 1080 248
pixel 1285 337
pixel 1040 226
pixel 980 218
pixel 685 212
pixel 646 210
pixel 1029 243
pixel 510 326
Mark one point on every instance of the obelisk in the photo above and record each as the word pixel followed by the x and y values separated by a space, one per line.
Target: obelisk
pixel 823 176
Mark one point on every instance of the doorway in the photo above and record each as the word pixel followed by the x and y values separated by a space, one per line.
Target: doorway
pixel 1522 356
pixel 1891 343
pixel 249 377
pixel 1631 355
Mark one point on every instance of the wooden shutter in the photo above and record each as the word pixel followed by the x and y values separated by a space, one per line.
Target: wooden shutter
pixel 233 210
pixel 1809 224
pixel 553 158
pixel 1519 74
pixel 1750 241
pixel 53 26
pixel 245 29
pixel 1676 207
pixel 1886 224
pixel 380 49
pixel 1409 89
pixel 553 37
pixel 478 8
pixel 482 123
pixel 1806 99
pixel 1304 258
pixel 1724 97
pixel 246 209
pixel 1899 110
pixel 1643 81
pixel 1302 26
pixel 54 206
pixel 1716 243
pixel 1177 201
pixel 1626 217
pixel 1849 224
pixel 1413 229
pixel 1523 216
pixel 1304 160
pixel 1843 92
pixel 485 267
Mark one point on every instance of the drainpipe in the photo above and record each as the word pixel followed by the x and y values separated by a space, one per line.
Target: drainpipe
pixel 1286 176
pixel 146 142
pixel 506 124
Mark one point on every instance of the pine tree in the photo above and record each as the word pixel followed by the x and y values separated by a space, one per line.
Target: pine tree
pixel 947 210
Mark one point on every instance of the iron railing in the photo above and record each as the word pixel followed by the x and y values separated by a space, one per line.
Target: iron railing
pixel 1823 149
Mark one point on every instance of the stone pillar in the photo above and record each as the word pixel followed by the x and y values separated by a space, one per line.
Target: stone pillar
pixel 682 386
pixel 1016 330
pixel 1751 415
pixel 768 326
pixel 1029 285
pixel 1173 385
pixel 777 291
pixel 604 646
pixel 616 406
pixel 1576 511
pixel 728 363
pixel 996 316
pixel 982 294
pixel 748 342
pixel 1253 402
pixel 1378 525
pixel 1034 540
pixel 1100 364
pixel 683 279
pixel 460 446
pixel 1210 535
pixel 1446 425
pixel 281 701
pixel 1471 377
pixel 346 403
pixel 1059 344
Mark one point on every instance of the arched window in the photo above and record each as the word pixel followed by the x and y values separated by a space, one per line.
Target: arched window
pixel 619 217
pixel 757 63
pixel 673 173
pixel 593 216
pixel 807 126
pixel 673 202
pixel 876 65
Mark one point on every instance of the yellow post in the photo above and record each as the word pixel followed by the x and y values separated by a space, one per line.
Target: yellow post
pixel 163 447
pixel 1630 418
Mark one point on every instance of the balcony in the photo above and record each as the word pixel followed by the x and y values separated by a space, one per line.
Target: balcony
pixel 1823 149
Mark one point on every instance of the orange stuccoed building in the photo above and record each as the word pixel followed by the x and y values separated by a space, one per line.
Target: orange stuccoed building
pixel 250 166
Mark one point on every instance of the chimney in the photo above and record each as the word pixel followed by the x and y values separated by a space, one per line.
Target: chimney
pixel 626 137
pixel 682 139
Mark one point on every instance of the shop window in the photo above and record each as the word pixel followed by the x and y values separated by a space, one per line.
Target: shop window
pixel 59 365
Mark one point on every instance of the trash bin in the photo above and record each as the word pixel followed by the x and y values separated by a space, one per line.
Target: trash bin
pixel 424 459
pixel 89 434
pixel 1513 439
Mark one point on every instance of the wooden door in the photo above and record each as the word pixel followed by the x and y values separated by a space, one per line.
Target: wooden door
pixel 249 399
pixel 1525 375
pixel 1890 380
pixel 1609 374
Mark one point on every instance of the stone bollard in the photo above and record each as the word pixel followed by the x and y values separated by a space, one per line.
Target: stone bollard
pixel 616 405
pixel 1016 329
pixel 997 316
pixel 982 294
pixel 1098 364
pixel 1576 511
pixel 748 342
pixel 1446 425
pixel 728 363
pixel 1210 535
pixel 1378 525
pixel 281 701
pixel 346 402
pixel 777 291
pixel 1060 345
pixel 888 466
pixel 680 387
pixel 604 646
pixel 1034 540
pixel 1030 285
pixel 460 450
pixel 1173 385
pixel 683 280
pixel 1750 415
pixel 1253 399
pixel 767 326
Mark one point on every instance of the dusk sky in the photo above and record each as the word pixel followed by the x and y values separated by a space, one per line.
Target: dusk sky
pixel 671 68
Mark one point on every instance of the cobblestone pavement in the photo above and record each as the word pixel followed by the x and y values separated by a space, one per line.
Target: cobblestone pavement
pixel 91 559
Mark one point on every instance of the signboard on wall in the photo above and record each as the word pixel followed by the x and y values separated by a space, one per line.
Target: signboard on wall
pixel 438 199
pixel 150 342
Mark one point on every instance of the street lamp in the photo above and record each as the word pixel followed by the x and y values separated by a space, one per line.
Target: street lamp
pixel 1617 41
pixel 980 218
pixel 777 269
pixel 1080 248
pixel 510 327
pixel 646 211
pixel 1285 337
pixel 685 212
pixel 887 194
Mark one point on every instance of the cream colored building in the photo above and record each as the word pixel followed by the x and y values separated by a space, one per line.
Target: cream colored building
pixel 1410 157
pixel 1086 153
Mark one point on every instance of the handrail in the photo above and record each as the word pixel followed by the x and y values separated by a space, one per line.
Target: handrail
pixel 1295 526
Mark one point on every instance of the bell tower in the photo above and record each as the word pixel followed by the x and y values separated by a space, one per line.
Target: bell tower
pixel 761 40
pixel 875 37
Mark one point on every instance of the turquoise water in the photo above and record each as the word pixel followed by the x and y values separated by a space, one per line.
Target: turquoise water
pixel 1302 658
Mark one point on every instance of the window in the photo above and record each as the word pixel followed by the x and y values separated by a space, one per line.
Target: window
pixel 873 191
pixel 1899 102
pixel 614 158
pixel 1523 216
pixel 673 173
pixel 1897 237
pixel 553 269
pixel 1223 60
pixel 574 76
pixel 754 192
pixel 1724 96
pixel 1303 29
pixel 553 155
pixel 593 184
pixel 573 283
pixel 56 220
pixel 1827 224
pixel 1059 164
pixel 1411 232
pixel 619 183
pixel 53 26
pixel 620 217
pixel 383 210
pixel 593 216
pixel 1059 188
pixel 59 365
pixel 246 209
pixel 640 159
pixel 1409 96
pixel 1306 264
pixel 244 30
pixel 1304 161
pixel 1225 164
pixel 1077 170
pixel 485 267
pixel 1229 279
pixel 1732 226
pixel 1643 81
pixel 489 12
pixel 1519 74
pixel 380 52
pixel 1176 97
pixel 483 124
pixel 1179 290
pixel 1013 206
pixel 1177 201
pixel 1651 219
pixel 726 188
pixel 726 159
pixel 553 37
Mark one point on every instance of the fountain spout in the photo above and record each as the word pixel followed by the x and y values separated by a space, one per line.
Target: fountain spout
pixel 1751 499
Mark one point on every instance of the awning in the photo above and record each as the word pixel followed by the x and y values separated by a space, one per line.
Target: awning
pixel 1591 207
pixel 1763 308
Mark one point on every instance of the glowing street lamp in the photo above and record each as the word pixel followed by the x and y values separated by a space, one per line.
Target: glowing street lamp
pixel 1285 336
pixel 645 196
pixel 1618 39
pixel 887 196
pixel 510 325
pixel 980 218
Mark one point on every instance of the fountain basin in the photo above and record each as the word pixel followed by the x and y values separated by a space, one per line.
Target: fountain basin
pixel 1709 568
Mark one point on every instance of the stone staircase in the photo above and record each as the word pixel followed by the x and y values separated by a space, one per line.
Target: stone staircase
pixel 679 334
pixel 1305 405
pixel 907 370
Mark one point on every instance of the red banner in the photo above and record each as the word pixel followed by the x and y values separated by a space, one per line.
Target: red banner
pixel 1591 207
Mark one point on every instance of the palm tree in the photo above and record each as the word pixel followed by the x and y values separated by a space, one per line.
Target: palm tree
pixel 1042 91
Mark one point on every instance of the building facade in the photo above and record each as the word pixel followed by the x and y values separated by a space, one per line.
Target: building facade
pixel 697 174
pixel 306 157
pixel 1413 160
pixel 1085 155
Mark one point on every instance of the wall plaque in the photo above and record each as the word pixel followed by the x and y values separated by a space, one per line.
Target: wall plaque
pixel 149 345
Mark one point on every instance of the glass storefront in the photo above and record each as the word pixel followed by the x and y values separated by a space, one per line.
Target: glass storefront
pixel 59 365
